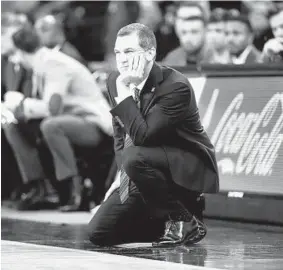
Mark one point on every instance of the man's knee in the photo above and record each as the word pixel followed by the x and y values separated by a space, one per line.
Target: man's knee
pixel 10 129
pixel 49 126
pixel 12 133
pixel 99 237
pixel 132 160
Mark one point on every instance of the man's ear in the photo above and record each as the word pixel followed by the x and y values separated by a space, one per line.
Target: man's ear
pixel 150 54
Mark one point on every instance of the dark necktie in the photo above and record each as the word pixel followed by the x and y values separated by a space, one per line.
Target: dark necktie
pixel 124 178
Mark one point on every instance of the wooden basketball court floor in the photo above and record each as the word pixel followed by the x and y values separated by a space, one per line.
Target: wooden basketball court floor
pixel 53 240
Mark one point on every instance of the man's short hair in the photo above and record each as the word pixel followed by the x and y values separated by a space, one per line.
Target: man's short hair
pixel 273 13
pixel 235 15
pixel 217 15
pixel 193 4
pixel 146 36
pixel 26 40
pixel 49 22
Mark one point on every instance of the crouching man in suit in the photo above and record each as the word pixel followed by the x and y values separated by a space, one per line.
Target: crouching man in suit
pixel 162 151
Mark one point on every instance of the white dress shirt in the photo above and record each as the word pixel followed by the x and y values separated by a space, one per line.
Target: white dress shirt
pixel 132 86
pixel 241 59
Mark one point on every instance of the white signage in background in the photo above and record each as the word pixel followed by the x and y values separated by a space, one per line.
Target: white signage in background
pixel 239 136
pixel 198 85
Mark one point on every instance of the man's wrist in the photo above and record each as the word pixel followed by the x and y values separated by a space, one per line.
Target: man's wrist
pixel 123 92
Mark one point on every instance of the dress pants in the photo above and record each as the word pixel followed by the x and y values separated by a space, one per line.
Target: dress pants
pixel 152 197
pixel 22 140
pixel 10 174
pixel 115 223
pixel 61 133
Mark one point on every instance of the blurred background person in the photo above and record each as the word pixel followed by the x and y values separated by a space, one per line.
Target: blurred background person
pixel 73 109
pixel 273 48
pixel 216 37
pixel 257 12
pixel 165 34
pixel 240 36
pixel 190 26
pixel 14 79
pixel 51 33
pixel 13 75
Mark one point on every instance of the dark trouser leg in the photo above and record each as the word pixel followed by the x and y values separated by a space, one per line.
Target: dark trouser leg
pixel 149 170
pixel 115 223
pixel 10 174
pixel 26 154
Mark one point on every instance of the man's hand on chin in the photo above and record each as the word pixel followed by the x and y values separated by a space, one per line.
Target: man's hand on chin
pixel 131 78
pixel 123 90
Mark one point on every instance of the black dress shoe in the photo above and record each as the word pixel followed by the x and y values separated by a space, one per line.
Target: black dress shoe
pixel 79 199
pixel 36 198
pixel 181 233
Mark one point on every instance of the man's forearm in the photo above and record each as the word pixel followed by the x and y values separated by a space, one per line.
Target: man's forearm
pixel 34 108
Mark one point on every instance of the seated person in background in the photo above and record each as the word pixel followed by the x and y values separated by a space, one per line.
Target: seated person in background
pixel 190 27
pixel 51 33
pixel 73 108
pixel 15 84
pixel 13 76
pixel 216 37
pixel 273 49
pixel 166 37
pixel 239 35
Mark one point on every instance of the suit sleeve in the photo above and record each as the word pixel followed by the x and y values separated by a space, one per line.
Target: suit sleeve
pixel 117 129
pixel 169 110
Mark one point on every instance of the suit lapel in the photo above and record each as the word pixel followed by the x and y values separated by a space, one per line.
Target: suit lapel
pixel 14 76
pixel 150 88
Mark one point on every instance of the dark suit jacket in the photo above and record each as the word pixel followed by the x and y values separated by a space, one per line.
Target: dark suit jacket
pixel 15 78
pixel 253 56
pixel 169 118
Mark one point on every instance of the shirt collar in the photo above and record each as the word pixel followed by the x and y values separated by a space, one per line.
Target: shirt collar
pixel 57 47
pixel 141 85
pixel 241 59
pixel 40 57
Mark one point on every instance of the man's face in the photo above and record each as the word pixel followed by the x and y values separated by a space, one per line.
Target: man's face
pixel 216 35
pixel 7 44
pixel 46 35
pixel 238 37
pixel 126 47
pixel 191 32
pixel 276 24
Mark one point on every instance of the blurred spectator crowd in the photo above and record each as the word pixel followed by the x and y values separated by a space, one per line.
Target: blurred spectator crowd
pixel 227 31
pixel 56 127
